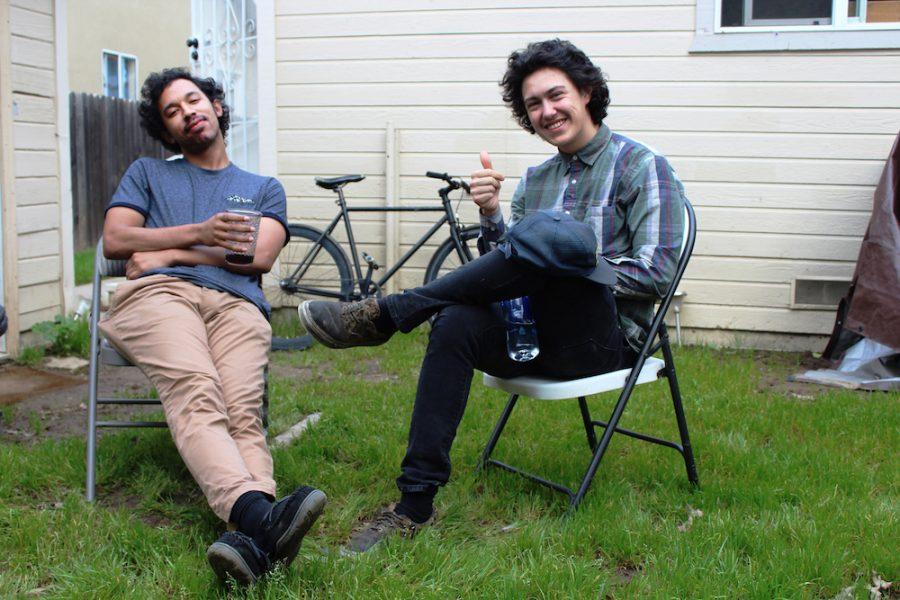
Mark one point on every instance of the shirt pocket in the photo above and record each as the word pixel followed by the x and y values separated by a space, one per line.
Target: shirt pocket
pixel 602 220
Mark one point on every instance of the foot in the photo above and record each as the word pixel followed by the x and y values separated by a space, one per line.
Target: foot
pixel 343 324
pixel 385 523
pixel 236 556
pixel 289 520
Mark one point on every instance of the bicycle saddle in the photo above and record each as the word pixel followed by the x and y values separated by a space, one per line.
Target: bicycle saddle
pixel 329 183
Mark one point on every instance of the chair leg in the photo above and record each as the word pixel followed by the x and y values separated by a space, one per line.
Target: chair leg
pixel 687 451
pixel 588 425
pixel 498 429
pixel 93 375
pixel 600 450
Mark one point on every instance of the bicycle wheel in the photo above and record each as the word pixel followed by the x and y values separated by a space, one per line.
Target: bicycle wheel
pixel 446 258
pixel 304 271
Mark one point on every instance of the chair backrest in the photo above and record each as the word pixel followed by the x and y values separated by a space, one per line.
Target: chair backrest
pixel 107 267
pixel 687 247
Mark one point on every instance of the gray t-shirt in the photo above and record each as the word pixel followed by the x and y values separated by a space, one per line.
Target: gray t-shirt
pixel 175 192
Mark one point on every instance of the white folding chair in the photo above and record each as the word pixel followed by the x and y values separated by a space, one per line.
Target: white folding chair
pixel 103 353
pixel 646 369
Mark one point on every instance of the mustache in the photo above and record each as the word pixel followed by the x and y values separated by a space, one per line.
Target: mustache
pixel 193 122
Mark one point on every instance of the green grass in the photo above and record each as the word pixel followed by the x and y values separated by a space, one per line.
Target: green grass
pixel 799 495
pixel 84 266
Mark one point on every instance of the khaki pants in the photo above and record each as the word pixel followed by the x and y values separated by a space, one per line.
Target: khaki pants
pixel 205 352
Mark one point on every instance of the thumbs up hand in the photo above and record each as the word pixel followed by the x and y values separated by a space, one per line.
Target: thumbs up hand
pixel 485 186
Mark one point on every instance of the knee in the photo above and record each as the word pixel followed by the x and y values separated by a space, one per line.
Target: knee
pixel 457 321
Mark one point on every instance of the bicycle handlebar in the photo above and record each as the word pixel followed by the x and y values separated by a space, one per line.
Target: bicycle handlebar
pixel 455 184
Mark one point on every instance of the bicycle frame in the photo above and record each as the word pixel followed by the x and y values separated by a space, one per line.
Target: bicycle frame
pixel 363 284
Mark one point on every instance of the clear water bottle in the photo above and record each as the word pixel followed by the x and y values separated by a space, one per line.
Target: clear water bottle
pixel 521 332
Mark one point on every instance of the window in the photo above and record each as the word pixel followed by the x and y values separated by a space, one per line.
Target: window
pixel 763 13
pixel 119 73
pixel 757 25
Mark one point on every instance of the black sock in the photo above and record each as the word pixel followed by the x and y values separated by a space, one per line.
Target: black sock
pixel 418 506
pixel 383 322
pixel 248 512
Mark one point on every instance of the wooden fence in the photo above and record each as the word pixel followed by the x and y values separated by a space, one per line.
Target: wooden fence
pixel 106 137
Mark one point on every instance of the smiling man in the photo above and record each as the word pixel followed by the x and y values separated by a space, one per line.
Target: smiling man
pixel 604 214
pixel 197 325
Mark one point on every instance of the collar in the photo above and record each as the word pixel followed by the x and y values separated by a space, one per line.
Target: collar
pixel 593 149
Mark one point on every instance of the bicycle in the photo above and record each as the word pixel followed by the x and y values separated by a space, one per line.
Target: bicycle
pixel 314 265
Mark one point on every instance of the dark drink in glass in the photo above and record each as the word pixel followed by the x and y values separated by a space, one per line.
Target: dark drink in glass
pixel 245 258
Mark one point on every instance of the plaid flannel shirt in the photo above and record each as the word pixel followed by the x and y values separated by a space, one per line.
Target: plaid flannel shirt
pixel 634 202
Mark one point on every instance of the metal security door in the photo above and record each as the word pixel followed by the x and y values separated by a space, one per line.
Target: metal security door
pixel 225 32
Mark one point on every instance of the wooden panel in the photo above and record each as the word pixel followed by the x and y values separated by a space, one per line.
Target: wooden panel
pixel 535 20
pixel 824 197
pixel 635 119
pixel 43 243
pixel 40 217
pixel 478 45
pixel 761 245
pixel 28 80
pixel 39 297
pixel 688 168
pixel 675 143
pixel 757 319
pixel 34 136
pixel 727 268
pixel 41 6
pixel 30 24
pixel 33 271
pixel 762 220
pixel 32 53
pixel 300 162
pixel 33 109
pixel 36 190
pixel 33 163
pixel 29 320
pixel 733 293
pixel 312 7
pixel 743 68
pixel 857 172
pixel 625 93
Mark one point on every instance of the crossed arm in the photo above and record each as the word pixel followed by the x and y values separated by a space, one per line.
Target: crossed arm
pixel 205 243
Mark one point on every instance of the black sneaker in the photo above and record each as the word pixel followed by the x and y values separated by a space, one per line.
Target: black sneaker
pixel 289 520
pixel 236 556
pixel 343 324
pixel 385 523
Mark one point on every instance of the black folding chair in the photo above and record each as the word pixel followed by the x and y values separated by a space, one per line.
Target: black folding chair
pixel 103 353
pixel 647 368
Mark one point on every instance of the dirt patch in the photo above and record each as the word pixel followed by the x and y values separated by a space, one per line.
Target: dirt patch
pixel 627 570
pixel 18 383
pixel 368 370
pixel 775 367
pixel 62 411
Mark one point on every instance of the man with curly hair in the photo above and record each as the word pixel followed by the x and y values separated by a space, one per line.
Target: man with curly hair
pixel 603 215
pixel 196 324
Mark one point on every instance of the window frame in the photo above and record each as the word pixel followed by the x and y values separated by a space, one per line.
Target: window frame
pixel 120 65
pixel 844 33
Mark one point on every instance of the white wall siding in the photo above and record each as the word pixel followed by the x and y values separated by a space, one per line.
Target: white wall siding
pixel 779 152
pixel 35 161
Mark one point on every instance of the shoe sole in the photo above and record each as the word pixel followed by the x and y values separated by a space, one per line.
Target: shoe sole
pixel 288 545
pixel 227 562
pixel 314 330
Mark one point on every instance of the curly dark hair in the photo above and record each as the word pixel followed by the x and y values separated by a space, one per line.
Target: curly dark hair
pixel 156 83
pixel 562 55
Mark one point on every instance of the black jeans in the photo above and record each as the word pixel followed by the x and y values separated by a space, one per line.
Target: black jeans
pixel 578 334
